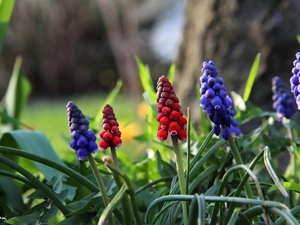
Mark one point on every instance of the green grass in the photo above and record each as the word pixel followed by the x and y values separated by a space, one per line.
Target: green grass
pixel 49 116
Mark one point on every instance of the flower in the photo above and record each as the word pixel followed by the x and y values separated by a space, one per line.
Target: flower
pixel 283 103
pixel 170 116
pixel 83 139
pixel 111 135
pixel 216 103
pixel 295 79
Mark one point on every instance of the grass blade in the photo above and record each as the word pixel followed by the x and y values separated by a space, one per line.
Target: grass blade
pixel 6 8
pixel 251 77
pixel 110 98
pixel 298 38
pixel 171 73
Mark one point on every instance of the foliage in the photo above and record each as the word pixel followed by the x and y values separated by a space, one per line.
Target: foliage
pixel 239 181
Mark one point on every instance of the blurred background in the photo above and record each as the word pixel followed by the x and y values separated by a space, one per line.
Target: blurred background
pixel 77 50
pixel 77 47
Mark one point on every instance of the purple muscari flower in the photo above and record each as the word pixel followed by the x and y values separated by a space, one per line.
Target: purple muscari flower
pixel 282 101
pixel 83 139
pixel 295 79
pixel 216 103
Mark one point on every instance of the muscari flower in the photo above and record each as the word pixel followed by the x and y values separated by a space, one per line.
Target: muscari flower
pixel 295 79
pixel 170 115
pixel 283 103
pixel 83 139
pixel 111 135
pixel 216 103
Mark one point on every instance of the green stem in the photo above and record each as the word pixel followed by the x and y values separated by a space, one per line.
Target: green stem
pixel 125 202
pixel 112 205
pixel 239 161
pixel 37 184
pixel 62 168
pixel 180 172
pixel 101 186
pixel 130 191
pixel 114 156
pixel 293 157
pixel 16 177
pixel 163 179
pixel 268 204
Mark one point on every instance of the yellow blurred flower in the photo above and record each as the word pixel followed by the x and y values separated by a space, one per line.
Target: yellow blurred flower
pixel 129 130
pixel 142 110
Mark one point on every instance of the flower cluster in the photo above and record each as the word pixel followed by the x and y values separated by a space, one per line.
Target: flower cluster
pixel 215 101
pixel 170 115
pixel 283 103
pixel 234 126
pixel 83 139
pixel 111 135
pixel 295 79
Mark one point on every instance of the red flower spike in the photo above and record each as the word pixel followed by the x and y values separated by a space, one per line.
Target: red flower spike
pixel 174 128
pixel 114 129
pixel 176 107
pixel 166 111
pixel 159 116
pixel 182 122
pixel 103 145
pixel 159 108
pixel 116 141
pixel 107 136
pixel 118 134
pixel 162 135
pixel 174 116
pixel 111 134
pixel 102 133
pixel 182 134
pixel 170 116
pixel 106 126
pixel 164 122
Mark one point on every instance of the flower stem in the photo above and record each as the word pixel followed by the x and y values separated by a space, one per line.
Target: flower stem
pixel 101 186
pixel 38 184
pixel 239 161
pixel 130 191
pixel 60 167
pixel 181 178
pixel 125 202
pixel 114 156
pixel 112 205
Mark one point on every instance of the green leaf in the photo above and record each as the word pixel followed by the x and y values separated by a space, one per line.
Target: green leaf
pixel 298 38
pixel 6 8
pixel 13 197
pixel 172 72
pixel 146 79
pixel 251 77
pixel 238 101
pixel 78 220
pixel 34 142
pixel 164 168
pixel 56 182
pixel 85 204
pixel 28 219
pixel 288 186
pixel 16 95
pixel 109 100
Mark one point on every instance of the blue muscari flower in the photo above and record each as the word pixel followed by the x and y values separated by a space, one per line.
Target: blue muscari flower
pixel 283 103
pixel 83 139
pixel 216 103
pixel 295 79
